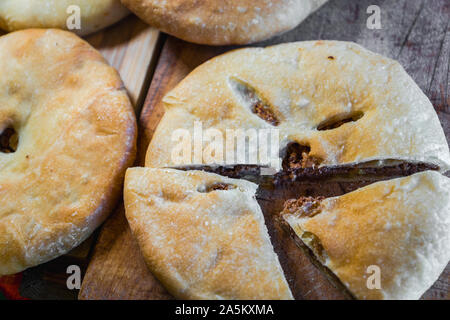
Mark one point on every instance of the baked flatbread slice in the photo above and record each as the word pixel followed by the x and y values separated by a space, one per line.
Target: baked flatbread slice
pixel 334 104
pixel 399 228
pixel 203 235
pixel 94 15
pixel 219 22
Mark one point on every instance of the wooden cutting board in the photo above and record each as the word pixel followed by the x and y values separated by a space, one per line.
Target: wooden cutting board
pixel 416 35
pixel 132 47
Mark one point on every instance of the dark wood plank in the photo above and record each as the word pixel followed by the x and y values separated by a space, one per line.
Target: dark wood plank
pixel 416 32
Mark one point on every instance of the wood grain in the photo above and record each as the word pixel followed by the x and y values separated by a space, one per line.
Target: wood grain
pixel 414 32
pixel 131 47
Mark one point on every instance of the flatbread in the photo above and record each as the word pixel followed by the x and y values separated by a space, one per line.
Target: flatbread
pixel 401 226
pixel 306 88
pixel 203 235
pixel 219 22
pixel 24 14
pixel 67 134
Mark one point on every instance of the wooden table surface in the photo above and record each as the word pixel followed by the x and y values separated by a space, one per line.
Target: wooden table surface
pixel 414 32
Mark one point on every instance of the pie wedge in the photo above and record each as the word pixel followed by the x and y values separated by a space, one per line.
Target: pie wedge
pixel 399 228
pixel 203 235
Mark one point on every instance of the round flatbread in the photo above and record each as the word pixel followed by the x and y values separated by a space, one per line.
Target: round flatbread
pixel 67 134
pixel 218 22
pixel 94 15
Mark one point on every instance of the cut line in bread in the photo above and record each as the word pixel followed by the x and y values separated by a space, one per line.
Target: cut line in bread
pixel 315 259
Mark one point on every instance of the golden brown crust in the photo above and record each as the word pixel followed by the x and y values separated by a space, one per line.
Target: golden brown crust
pixel 401 226
pixel 218 22
pixel 203 235
pixel 94 15
pixel 77 135
pixel 383 114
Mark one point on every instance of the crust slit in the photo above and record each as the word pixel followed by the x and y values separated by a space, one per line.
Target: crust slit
pixel 256 103
pixel 298 156
pixel 217 186
pixel 9 140
pixel 339 120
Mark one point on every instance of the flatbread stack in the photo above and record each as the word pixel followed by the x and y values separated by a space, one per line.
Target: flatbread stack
pixel 67 135
pixel 339 109
pixel 94 15
pixel 219 22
